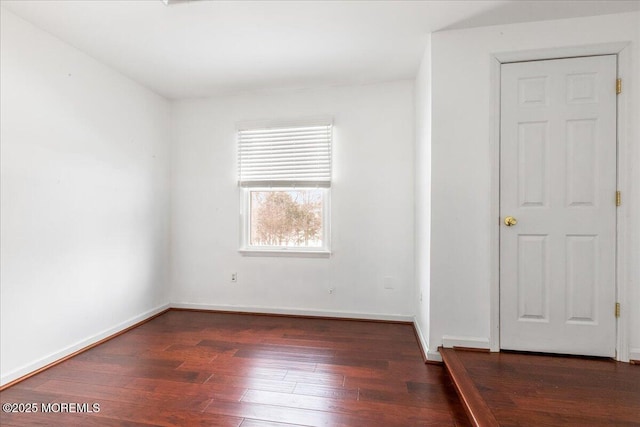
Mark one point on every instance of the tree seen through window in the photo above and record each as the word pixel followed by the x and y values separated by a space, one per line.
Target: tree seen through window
pixel 286 218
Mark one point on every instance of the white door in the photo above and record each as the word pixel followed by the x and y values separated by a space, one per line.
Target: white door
pixel 558 180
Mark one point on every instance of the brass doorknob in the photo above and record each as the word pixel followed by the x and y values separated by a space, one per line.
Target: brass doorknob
pixel 509 221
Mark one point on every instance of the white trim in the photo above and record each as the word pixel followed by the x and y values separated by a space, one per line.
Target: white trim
pixel 276 123
pixel 294 312
pixel 449 341
pixel 434 356
pixel 40 363
pixel 621 49
pixel 494 243
pixel 421 341
pixel 634 354
pixel 623 248
pixel 561 52
pixel 285 252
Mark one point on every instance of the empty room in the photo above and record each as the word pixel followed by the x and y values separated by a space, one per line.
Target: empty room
pixel 319 213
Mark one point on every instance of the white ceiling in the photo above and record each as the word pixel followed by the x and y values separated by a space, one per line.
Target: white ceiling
pixel 203 48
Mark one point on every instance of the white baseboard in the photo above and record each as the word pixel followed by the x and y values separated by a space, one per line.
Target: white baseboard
pixel 294 312
pixel 634 354
pixel 421 341
pixel 449 341
pixel 434 356
pixel 40 363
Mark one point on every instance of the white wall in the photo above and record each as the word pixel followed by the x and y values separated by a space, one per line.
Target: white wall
pixel 371 201
pixel 423 196
pixel 463 155
pixel 84 199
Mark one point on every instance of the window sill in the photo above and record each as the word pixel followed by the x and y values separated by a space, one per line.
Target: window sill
pixel 293 253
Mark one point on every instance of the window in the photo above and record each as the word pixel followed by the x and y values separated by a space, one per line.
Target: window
pixel 285 180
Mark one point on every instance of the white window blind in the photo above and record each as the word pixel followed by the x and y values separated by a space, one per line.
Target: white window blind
pixel 285 156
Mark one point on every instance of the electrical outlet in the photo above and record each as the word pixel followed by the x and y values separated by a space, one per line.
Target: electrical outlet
pixel 234 277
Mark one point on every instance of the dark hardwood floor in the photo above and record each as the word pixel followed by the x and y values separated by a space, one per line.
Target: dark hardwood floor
pixel 194 368
pixel 542 390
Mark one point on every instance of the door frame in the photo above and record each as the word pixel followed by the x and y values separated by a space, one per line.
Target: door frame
pixel 623 250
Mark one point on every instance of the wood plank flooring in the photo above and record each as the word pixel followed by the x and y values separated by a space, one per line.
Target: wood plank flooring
pixel 217 369
pixel 542 390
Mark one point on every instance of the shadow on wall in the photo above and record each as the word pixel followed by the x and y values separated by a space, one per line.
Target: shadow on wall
pixel 536 10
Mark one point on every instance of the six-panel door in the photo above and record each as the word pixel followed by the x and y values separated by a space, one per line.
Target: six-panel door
pixel 558 180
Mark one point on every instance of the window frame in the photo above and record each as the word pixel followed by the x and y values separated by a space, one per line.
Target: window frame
pixel 321 182
pixel 245 225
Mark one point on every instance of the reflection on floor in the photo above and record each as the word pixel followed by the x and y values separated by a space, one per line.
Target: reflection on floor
pixel 195 368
